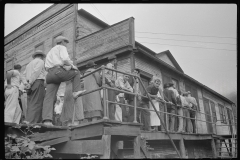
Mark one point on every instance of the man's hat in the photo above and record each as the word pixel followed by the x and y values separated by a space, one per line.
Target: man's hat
pixel 110 65
pixel 165 85
pixel 137 70
pixel 112 57
pixel 61 38
pixel 186 93
pixel 90 64
pixel 38 52
pixel 170 84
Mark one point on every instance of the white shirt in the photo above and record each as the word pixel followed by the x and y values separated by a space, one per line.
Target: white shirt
pixel 34 70
pixel 184 101
pixel 15 79
pixel 58 107
pixel 120 82
pixel 174 91
pixel 56 56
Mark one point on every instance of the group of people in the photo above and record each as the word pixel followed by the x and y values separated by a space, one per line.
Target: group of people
pixel 41 89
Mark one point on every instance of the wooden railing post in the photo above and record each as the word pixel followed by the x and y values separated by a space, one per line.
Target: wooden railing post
pixel 135 106
pixel 104 94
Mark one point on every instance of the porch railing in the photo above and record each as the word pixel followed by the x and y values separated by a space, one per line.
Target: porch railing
pixel 106 103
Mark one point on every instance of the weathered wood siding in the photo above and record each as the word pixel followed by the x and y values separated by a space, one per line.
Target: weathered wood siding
pixel 166 59
pixel 148 66
pixel 123 65
pixel 221 129
pixel 198 149
pixel 104 41
pixel 42 32
pixel 85 27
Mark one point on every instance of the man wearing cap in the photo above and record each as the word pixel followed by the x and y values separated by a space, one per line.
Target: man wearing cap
pixel 60 69
pixel 193 106
pixel 34 75
pixel 12 110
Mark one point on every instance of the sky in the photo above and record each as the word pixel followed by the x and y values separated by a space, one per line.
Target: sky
pixel 201 37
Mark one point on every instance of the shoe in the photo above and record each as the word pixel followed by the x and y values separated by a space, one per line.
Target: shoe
pixel 25 122
pixel 77 94
pixel 48 123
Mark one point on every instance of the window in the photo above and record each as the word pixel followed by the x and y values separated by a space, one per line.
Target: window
pixel 53 40
pixel 222 113
pixel 213 112
pixel 40 46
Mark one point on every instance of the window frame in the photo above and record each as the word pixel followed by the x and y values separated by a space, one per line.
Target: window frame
pixel 39 44
pixel 222 114
pixel 214 113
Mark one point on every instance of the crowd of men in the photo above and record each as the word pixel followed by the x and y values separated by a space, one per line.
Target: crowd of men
pixel 42 106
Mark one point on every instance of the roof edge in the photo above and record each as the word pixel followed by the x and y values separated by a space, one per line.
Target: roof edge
pixel 183 74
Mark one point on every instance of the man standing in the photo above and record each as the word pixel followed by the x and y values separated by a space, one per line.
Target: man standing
pixel 122 83
pixel 60 69
pixel 169 96
pixel 134 83
pixel 193 106
pixel 34 75
pixel 12 111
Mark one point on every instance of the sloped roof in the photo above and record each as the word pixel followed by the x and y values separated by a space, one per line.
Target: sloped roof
pixel 172 59
pixel 93 18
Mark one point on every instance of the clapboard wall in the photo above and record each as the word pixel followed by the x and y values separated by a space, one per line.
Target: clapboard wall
pixel 39 32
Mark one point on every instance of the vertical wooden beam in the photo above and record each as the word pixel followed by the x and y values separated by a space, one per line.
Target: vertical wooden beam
pixel 213 148
pixel 107 147
pixel 74 32
pixel 136 147
pixel 217 143
pixel 182 148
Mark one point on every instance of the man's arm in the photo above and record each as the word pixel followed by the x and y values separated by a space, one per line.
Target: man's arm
pixel 65 56
pixel 9 76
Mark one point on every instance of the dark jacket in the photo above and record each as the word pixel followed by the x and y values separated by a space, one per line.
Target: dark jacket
pixel 169 97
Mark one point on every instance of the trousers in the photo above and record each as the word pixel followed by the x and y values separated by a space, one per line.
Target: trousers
pixel 35 102
pixel 12 111
pixel 145 115
pixel 55 76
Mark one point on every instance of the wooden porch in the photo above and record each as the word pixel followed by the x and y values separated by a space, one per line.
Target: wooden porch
pixel 104 138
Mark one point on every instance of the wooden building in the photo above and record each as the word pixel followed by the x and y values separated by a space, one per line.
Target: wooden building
pixel 93 39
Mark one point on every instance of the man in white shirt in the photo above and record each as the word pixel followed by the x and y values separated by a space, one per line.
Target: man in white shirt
pixel 34 75
pixel 122 83
pixel 60 69
pixel 12 110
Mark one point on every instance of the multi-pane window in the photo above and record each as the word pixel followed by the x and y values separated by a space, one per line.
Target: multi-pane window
pixel 222 113
pixel 213 112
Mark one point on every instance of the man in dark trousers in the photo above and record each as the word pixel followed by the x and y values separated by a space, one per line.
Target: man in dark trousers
pixel 35 76
pixel 134 83
pixel 169 96
pixel 60 69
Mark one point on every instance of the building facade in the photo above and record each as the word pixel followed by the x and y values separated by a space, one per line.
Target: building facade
pixel 93 39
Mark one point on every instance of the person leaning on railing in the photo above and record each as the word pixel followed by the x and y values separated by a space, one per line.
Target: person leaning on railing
pixel 169 96
pixel 111 94
pixel 122 84
pixel 193 105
